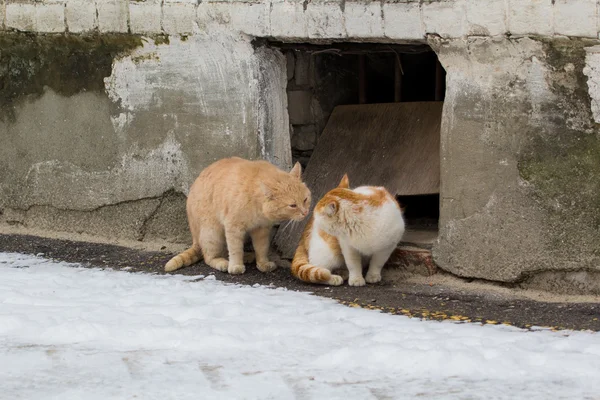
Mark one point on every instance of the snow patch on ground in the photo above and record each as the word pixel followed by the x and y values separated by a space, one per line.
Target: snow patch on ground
pixel 74 333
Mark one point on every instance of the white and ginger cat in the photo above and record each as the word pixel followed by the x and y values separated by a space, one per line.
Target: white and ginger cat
pixel 234 197
pixel 346 227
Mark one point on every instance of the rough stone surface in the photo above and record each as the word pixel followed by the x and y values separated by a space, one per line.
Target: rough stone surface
pixel 514 200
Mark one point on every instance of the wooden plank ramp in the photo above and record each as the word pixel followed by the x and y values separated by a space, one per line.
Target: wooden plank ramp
pixel 396 145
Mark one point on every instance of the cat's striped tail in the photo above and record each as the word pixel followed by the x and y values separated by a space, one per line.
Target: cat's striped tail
pixel 188 257
pixel 303 270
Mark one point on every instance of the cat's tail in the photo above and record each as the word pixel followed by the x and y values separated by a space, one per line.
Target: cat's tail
pixel 305 271
pixel 188 257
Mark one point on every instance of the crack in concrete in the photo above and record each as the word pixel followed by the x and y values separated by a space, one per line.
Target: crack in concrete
pixel 143 229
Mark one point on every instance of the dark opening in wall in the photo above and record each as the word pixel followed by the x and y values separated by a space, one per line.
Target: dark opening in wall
pixel 321 77
pixel 421 211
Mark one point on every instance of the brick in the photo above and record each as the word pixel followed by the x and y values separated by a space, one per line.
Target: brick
pixel 50 18
pixel 290 61
pixel 231 1
pixel 302 69
pixel 530 17
pixel 288 20
pixel 363 20
pixel 145 16
pixel 179 17
pixel 299 107
pixel 112 16
pixel 575 18
pixel 325 20
pixel 21 16
pixel 486 17
pixel 304 137
pixel 81 16
pixel 447 19
pixel 251 19
pixel 402 21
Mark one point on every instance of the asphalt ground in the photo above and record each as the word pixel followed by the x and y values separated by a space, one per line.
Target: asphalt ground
pixel 427 301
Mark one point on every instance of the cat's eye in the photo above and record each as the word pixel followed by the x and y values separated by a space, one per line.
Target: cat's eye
pixel 306 199
pixel 293 206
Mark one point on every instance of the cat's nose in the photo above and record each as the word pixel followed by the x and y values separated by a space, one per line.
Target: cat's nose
pixel 305 212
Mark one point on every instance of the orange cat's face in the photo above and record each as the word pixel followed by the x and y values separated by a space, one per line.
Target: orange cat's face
pixel 341 207
pixel 288 198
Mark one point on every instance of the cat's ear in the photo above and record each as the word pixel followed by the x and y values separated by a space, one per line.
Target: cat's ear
pixel 331 208
pixel 266 191
pixel 296 171
pixel 344 183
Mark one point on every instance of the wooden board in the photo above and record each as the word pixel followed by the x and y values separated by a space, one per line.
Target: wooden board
pixel 396 145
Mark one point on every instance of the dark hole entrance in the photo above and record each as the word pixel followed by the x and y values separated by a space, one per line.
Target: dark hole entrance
pixel 321 77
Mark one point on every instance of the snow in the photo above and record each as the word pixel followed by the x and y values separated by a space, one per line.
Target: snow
pixel 68 332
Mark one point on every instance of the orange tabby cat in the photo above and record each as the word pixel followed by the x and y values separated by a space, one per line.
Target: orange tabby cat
pixel 347 226
pixel 233 197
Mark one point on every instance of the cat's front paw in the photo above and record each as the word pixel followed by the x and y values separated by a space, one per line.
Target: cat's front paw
pixel 266 266
pixel 335 280
pixel 236 269
pixel 219 264
pixel 356 281
pixel 373 277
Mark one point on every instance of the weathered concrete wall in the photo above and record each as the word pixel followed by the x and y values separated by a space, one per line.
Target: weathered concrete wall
pixel 142 125
pixel 520 159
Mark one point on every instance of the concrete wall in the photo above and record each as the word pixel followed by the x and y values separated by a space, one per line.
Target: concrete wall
pixel 520 138
pixel 122 147
pixel 521 160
